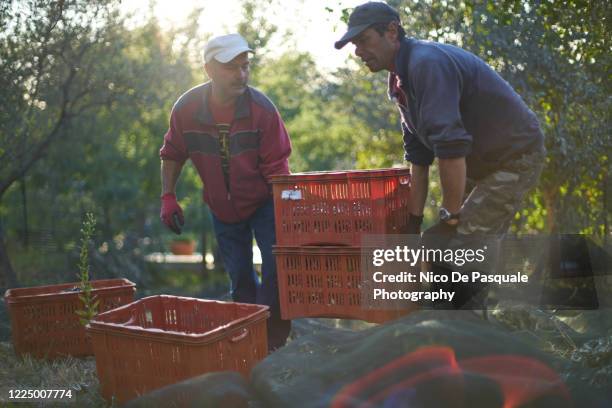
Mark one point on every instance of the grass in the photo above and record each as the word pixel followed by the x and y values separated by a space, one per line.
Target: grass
pixel 77 375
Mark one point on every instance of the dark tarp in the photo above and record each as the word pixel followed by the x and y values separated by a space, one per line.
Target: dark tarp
pixel 428 359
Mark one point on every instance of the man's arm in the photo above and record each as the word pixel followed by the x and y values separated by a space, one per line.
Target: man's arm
pixel 452 178
pixel 419 188
pixel 173 154
pixel 420 158
pixel 275 147
pixel 438 89
pixel 170 172
pixel 171 213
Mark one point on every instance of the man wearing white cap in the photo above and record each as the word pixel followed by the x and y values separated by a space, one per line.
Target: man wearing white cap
pixel 236 140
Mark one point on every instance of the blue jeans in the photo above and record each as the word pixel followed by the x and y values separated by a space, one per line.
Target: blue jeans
pixel 236 248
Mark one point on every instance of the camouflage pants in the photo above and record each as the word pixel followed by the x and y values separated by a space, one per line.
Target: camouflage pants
pixel 486 216
pixel 492 204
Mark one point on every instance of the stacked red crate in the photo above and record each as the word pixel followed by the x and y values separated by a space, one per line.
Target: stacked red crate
pixel 321 218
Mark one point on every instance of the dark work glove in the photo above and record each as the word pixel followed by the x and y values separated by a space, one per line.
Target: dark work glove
pixel 414 225
pixel 438 235
pixel 171 213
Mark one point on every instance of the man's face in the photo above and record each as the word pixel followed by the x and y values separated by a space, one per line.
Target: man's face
pixel 230 78
pixel 375 50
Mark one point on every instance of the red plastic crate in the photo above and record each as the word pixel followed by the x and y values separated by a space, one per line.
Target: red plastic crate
pixel 43 318
pixel 326 281
pixel 161 340
pixel 336 208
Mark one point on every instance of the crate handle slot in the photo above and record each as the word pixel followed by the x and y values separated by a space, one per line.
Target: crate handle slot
pixel 291 195
pixel 241 336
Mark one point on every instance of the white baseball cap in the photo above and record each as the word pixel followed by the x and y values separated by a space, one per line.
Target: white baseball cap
pixel 225 48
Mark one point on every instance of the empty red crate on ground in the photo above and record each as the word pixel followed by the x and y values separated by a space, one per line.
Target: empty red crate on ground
pixel 161 340
pixel 327 281
pixel 44 322
pixel 336 208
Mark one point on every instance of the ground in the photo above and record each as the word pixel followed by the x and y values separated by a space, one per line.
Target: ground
pixel 580 340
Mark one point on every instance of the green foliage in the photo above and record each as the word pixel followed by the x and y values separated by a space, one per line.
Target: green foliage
pixel 49 57
pixel 344 122
pixel 552 52
pixel 117 84
pixel 108 158
pixel 289 80
pixel 322 139
pixel 360 97
pixel 90 302
pixel 256 28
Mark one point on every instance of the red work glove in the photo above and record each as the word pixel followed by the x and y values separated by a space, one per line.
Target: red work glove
pixel 171 213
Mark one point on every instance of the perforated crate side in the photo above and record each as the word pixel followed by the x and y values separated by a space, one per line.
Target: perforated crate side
pixel 324 282
pixel 337 208
pixel 162 340
pixel 44 322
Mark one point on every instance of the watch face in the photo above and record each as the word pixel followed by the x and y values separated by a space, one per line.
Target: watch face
pixel 444 214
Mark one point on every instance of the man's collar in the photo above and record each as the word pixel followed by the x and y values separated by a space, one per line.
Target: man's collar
pixel 243 107
pixel 393 61
pixel 402 56
pixel 400 66
pixel 392 83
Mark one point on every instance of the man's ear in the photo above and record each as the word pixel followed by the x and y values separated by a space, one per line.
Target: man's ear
pixel 207 69
pixel 392 32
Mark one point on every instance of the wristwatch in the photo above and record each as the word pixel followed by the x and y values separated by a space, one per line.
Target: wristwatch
pixel 446 215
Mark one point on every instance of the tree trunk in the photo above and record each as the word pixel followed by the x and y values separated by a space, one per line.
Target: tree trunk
pixel 24 204
pixel 8 279
pixel 607 205
pixel 550 203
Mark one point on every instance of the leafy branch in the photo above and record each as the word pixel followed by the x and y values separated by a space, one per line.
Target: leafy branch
pixel 90 303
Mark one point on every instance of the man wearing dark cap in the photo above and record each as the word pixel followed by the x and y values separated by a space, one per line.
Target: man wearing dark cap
pixel 455 108
pixel 236 139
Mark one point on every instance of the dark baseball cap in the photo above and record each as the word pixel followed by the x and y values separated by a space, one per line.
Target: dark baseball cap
pixel 365 15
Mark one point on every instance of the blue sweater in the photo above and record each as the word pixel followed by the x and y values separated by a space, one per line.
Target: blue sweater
pixel 455 105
